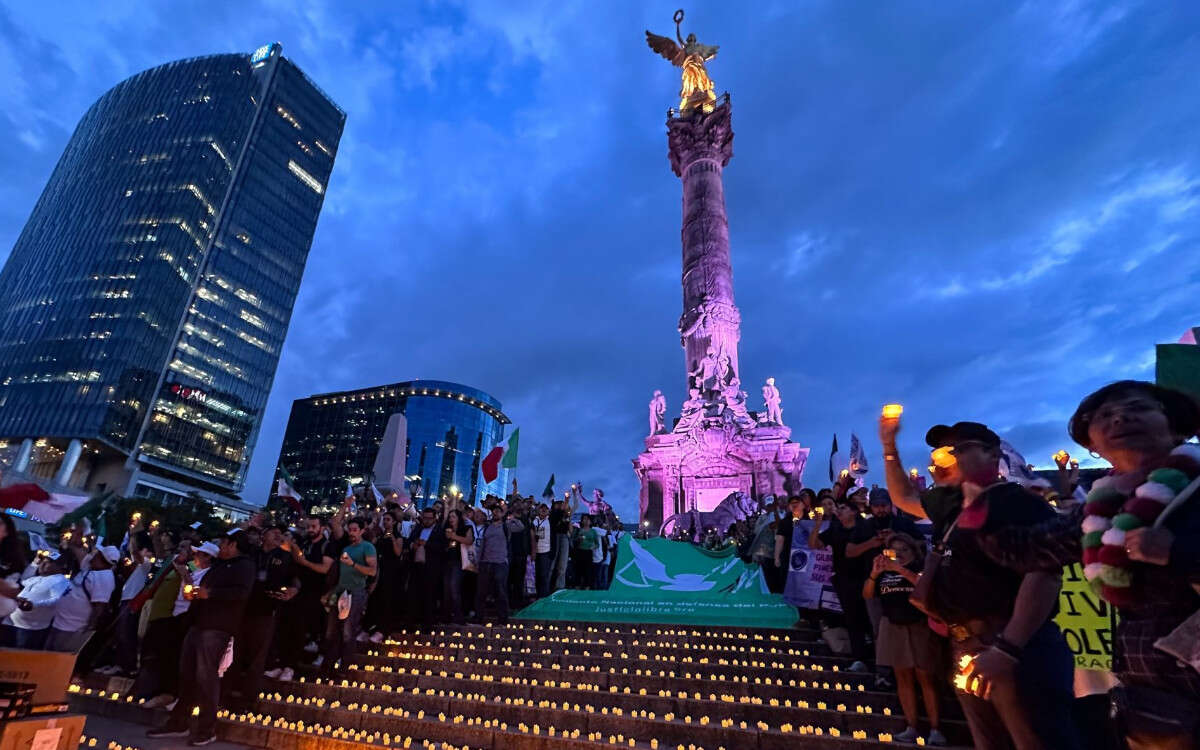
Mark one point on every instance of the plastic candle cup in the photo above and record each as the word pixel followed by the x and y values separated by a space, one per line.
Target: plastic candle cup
pixel 892 411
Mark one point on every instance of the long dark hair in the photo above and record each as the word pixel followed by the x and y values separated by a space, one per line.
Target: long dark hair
pixel 12 549
pixel 460 526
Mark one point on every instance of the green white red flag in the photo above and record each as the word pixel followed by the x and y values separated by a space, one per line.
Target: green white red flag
pixel 502 455
pixel 286 490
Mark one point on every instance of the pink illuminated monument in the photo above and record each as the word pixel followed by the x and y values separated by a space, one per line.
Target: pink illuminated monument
pixel 716 447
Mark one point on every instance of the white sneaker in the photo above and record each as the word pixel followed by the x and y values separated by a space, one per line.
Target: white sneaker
pixel 312 646
pixel 171 706
pixel 377 637
pixel 936 739
pixel 272 673
pixel 108 671
pixel 320 660
pixel 857 666
pixel 286 674
pixel 158 701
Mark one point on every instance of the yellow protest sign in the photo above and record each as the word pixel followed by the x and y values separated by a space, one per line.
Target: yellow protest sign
pixel 1087 621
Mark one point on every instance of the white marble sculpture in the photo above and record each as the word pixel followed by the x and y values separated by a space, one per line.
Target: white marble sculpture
pixel 772 399
pixel 658 411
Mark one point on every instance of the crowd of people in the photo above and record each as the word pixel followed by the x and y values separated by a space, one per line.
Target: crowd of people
pixel 958 580
pixel 195 622
pixel 961 579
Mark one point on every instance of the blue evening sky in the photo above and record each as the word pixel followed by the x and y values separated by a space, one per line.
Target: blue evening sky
pixel 979 209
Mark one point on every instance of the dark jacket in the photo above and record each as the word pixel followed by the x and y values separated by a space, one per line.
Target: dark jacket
pixel 435 546
pixel 228 584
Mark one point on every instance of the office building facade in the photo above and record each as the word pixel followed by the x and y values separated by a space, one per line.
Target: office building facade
pixel 333 438
pixel 145 304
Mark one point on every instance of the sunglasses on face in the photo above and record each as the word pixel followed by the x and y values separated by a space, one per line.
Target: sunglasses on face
pixel 967 445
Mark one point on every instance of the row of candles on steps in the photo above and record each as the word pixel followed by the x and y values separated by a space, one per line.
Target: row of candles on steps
pixel 597 669
pixel 708 647
pixel 567 706
pixel 508 680
pixel 380 737
pixel 566 627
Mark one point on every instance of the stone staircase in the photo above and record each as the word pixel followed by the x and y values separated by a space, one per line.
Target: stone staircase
pixel 534 685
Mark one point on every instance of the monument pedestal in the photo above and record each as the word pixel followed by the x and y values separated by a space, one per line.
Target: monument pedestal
pixel 697 468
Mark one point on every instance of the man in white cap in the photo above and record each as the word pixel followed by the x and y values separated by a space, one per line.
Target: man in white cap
pixel 29 625
pixel 80 610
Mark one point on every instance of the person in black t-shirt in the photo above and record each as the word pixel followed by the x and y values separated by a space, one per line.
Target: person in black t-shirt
pixel 313 559
pixel 848 577
pixel 275 582
pixel 905 642
pixel 871 536
pixel 1019 684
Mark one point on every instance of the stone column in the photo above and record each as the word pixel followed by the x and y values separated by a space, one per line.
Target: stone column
pixel 70 460
pixel 23 455
pixel 701 144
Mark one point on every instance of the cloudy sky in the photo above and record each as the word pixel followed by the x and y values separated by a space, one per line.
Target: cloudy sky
pixel 981 210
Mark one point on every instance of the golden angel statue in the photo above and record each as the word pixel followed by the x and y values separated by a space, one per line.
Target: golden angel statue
pixel 690 55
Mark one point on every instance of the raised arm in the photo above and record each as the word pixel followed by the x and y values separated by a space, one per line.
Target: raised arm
pixel 900 487
pixel 814 537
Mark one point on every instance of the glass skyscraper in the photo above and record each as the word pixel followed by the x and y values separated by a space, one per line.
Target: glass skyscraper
pixel 333 438
pixel 144 306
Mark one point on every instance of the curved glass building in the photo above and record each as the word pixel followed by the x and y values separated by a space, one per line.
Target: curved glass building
pixel 144 306
pixel 333 438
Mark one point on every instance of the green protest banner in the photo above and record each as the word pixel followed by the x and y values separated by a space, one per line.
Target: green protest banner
pixel 661 581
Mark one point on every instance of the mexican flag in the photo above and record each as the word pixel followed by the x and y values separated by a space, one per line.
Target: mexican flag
pixel 502 455
pixel 286 490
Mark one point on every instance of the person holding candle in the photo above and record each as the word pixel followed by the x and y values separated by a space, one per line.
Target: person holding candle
pixel 358 562
pixel 848 578
pixel 459 535
pixel 905 643
pixel 216 606
pixel 1144 559
pixel 1021 675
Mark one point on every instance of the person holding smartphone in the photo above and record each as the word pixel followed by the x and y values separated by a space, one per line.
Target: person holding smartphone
pixel 905 642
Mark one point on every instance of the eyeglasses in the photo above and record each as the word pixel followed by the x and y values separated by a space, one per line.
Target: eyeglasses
pixel 1109 411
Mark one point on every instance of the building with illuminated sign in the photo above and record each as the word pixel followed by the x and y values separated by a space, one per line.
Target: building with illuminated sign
pixel 145 303
pixel 333 438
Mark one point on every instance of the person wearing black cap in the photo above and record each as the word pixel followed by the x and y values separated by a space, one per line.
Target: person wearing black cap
pixel 936 503
pixel 1019 680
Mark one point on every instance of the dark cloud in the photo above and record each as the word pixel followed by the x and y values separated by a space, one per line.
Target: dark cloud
pixel 981 211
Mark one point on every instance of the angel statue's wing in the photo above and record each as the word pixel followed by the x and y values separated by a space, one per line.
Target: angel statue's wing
pixel 662 45
pixel 707 51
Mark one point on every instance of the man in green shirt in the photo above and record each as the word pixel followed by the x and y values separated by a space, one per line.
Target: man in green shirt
pixel 357 564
